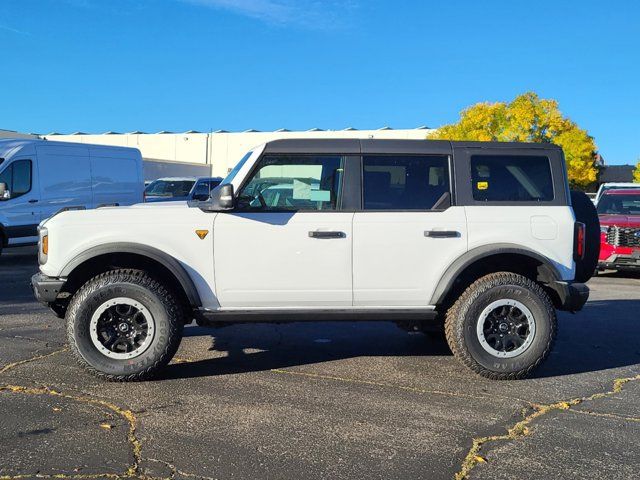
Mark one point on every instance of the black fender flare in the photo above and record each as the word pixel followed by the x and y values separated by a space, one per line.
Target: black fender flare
pixel 169 262
pixel 550 273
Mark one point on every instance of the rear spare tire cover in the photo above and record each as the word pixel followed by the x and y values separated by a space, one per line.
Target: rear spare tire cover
pixel 585 212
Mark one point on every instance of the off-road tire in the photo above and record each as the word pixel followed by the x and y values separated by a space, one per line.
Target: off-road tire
pixel 168 315
pixel 462 318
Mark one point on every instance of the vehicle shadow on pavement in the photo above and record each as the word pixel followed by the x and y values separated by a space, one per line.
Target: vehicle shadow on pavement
pixel 260 347
pixel 608 338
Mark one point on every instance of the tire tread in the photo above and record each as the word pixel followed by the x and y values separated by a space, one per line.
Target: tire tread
pixel 454 330
pixel 175 313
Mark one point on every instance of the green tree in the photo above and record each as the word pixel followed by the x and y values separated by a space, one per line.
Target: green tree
pixel 528 118
pixel 636 173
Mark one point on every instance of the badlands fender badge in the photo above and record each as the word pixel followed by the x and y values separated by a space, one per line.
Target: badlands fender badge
pixel 202 233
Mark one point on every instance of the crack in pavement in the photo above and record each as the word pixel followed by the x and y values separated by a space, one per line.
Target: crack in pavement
pixel 128 415
pixel 13 365
pixel 175 471
pixel 521 429
pixel 133 471
pixel 472 459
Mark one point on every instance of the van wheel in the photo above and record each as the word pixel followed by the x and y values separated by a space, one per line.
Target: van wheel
pixel 502 327
pixel 123 325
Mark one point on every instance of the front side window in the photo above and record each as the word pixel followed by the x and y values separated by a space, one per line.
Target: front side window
pixel 414 182
pixel 511 178
pixel 293 183
pixel 17 178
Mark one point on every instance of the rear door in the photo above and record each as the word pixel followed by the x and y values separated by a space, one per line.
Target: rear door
pixel 407 232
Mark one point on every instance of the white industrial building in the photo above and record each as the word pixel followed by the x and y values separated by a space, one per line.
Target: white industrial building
pixel 13 134
pixel 215 153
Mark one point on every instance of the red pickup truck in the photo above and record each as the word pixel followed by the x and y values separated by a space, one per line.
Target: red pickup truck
pixel 619 212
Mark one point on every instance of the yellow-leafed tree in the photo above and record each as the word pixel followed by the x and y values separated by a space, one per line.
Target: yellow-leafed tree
pixel 528 118
pixel 636 173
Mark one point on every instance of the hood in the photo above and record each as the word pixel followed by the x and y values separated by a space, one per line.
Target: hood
pixel 620 220
pixel 132 213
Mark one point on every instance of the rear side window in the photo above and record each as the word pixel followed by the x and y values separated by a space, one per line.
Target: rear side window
pixel 511 178
pixel 414 182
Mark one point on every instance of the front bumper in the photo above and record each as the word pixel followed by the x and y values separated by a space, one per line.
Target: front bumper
pixel 573 296
pixel 621 262
pixel 46 289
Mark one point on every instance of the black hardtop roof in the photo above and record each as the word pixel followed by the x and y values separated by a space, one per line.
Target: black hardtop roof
pixel 357 146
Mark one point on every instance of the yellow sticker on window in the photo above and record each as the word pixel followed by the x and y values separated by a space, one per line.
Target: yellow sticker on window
pixel 482 185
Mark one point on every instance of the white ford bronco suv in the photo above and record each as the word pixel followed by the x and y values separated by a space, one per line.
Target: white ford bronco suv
pixel 477 239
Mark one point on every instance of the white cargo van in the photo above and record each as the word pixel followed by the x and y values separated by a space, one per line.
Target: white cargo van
pixel 39 178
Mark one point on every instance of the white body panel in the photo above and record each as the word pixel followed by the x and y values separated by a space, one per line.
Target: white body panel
pixel 394 263
pixel 269 260
pixel 169 227
pixel 545 230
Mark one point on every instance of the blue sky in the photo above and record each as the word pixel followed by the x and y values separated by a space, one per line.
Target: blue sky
pixel 151 65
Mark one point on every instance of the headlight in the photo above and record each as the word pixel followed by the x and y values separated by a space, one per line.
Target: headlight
pixel 604 228
pixel 43 245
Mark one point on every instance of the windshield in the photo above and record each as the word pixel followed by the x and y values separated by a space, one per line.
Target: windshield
pixel 618 187
pixel 619 205
pixel 169 188
pixel 234 171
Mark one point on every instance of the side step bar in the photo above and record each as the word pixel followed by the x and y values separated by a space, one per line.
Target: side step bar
pixel 207 317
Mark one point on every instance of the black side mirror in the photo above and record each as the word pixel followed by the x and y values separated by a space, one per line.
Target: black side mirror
pixel 221 199
pixel 226 201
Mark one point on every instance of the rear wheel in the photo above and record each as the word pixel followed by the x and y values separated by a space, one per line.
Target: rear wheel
pixel 123 325
pixel 502 327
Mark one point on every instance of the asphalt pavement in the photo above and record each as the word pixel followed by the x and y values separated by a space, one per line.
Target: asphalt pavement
pixel 321 400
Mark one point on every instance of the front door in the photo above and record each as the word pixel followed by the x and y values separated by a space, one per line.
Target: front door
pixel 287 244
pixel 407 232
pixel 19 209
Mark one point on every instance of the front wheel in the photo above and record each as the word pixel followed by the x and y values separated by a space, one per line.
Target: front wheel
pixel 123 325
pixel 502 327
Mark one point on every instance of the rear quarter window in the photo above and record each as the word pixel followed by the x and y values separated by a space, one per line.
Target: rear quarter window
pixel 511 178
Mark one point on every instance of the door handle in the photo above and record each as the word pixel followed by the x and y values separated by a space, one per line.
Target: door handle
pixel 33 200
pixel 319 234
pixel 441 233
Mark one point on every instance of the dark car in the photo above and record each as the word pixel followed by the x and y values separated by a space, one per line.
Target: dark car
pixel 202 188
pixel 182 188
